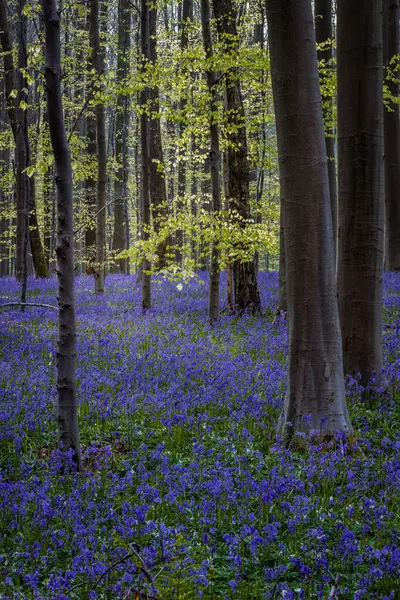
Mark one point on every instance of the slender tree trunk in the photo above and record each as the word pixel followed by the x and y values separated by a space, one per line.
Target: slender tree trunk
pixel 14 81
pixel 282 302
pixel 98 66
pixel 245 277
pixel 184 42
pixel 66 383
pixel 38 254
pixel 120 241
pixel 158 189
pixel 361 208
pixel 315 398
pixel 391 123
pixel 213 306
pixel 145 138
pixel 324 35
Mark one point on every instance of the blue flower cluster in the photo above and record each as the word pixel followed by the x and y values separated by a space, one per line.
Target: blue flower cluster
pixel 187 494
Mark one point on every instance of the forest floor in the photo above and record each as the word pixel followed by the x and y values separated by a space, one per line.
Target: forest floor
pixel 187 492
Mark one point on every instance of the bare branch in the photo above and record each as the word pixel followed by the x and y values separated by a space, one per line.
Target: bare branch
pixel 24 304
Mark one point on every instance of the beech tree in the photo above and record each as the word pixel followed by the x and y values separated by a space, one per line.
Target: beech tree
pixel 391 123
pixel 121 212
pixel 324 39
pixel 66 382
pixel 246 295
pixel 213 306
pixel 98 66
pixel 315 398
pixel 144 143
pixel 360 168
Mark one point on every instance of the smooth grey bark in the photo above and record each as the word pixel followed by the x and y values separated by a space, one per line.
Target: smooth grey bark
pixel 360 168
pixel 66 382
pixel 391 124
pixel 184 42
pixel 13 79
pixel 324 33
pixel 144 141
pixel 315 397
pixel 158 188
pixel 246 295
pixel 121 220
pixel 213 304
pixel 98 66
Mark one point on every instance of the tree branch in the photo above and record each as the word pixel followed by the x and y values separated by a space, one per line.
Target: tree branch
pixel 24 304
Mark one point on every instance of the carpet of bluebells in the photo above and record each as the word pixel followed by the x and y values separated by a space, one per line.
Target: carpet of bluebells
pixel 187 493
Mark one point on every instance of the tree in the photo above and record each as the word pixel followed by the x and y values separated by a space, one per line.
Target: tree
pixel 121 216
pixel 324 39
pixel 144 141
pixel 360 168
pixel 98 66
pixel 246 296
pixel 213 306
pixel 315 397
pixel 391 124
pixel 184 42
pixel 158 189
pixel 15 96
pixel 66 382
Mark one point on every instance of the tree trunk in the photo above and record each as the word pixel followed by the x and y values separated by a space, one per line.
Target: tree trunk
pixel 282 302
pixel 184 42
pixel 324 35
pixel 315 397
pixel 14 82
pixel 120 240
pixel 38 254
pixel 98 66
pixel 158 189
pixel 144 139
pixel 213 306
pixel 244 273
pixel 361 208
pixel 66 383
pixel 391 123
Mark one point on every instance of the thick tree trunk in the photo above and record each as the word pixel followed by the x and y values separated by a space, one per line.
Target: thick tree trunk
pixel 144 140
pixel 120 240
pixel 98 66
pixel 66 383
pixel 391 123
pixel 360 168
pixel 245 276
pixel 324 35
pixel 315 398
pixel 213 305
pixel 158 189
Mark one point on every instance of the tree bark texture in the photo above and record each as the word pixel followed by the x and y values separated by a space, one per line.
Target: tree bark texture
pixel 215 159
pixel 144 140
pixel 246 293
pixel 324 35
pixel 315 397
pixel 360 167
pixel 184 42
pixel 98 66
pixel 158 188
pixel 391 124
pixel 66 383
pixel 13 80
pixel 120 239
